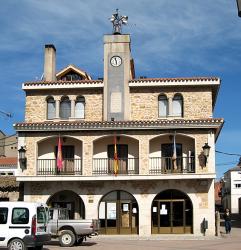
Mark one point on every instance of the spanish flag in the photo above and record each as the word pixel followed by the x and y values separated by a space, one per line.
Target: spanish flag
pixel 59 155
pixel 116 167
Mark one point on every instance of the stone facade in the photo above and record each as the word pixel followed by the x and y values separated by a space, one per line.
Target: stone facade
pixel 143 138
pixel 36 105
pixel 147 148
pixel 197 102
pixel 143 102
pixel 143 191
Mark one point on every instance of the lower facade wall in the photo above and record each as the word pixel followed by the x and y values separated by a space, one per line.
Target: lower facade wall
pixel 11 196
pixel 200 192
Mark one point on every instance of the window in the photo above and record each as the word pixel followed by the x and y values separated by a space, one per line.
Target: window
pixel 50 108
pixel 65 108
pixel 3 215
pixel 163 106
pixel 80 107
pixel 20 215
pixel 72 76
pixel 41 215
pixel 177 105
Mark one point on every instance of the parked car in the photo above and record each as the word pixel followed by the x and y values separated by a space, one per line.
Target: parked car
pixel 23 225
pixel 70 232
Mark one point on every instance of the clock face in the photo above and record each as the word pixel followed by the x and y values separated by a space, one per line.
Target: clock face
pixel 115 61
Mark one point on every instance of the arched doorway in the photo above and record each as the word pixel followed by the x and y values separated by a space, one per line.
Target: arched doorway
pixel 70 200
pixel 172 213
pixel 118 213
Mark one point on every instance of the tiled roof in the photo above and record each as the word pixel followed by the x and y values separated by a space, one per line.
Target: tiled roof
pixel 178 79
pixel 8 161
pixel 125 125
pixel 60 82
pixel 98 82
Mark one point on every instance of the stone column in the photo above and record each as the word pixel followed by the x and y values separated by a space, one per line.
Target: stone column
pixel 144 155
pixel 169 106
pixel 57 101
pixel 144 203
pixel 87 162
pixel 72 99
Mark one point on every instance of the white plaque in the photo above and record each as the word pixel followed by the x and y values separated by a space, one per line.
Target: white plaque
pixel 154 209
pixel 102 210
pixel 115 102
pixel 163 210
pixel 111 210
pixel 125 207
pixel 134 210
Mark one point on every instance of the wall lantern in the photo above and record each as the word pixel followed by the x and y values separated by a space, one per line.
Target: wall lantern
pixel 22 157
pixel 239 7
pixel 206 150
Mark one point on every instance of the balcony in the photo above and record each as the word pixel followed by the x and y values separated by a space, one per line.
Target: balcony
pixel 166 165
pixel 105 166
pixel 49 167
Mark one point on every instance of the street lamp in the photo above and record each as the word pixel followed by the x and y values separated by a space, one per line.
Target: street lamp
pixel 206 150
pixel 239 7
pixel 22 157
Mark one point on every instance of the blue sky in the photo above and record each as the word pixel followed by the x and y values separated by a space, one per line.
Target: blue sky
pixel 170 38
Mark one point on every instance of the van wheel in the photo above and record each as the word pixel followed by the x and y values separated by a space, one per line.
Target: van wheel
pixel 66 238
pixel 16 244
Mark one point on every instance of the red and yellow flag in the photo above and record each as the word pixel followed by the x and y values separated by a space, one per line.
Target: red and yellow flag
pixel 116 166
pixel 59 155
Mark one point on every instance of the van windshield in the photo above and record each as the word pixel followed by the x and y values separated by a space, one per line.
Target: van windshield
pixel 3 215
pixel 41 215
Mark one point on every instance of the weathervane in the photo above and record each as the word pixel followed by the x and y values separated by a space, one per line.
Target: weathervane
pixel 117 22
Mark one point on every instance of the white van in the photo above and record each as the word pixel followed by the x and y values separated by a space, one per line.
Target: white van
pixel 23 224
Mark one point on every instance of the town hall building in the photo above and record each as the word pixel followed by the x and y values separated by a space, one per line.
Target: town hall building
pixel 138 153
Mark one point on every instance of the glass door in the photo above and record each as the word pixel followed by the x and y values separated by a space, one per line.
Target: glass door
pixel 118 214
pixel 178 217
pixel 165 217
pixel 125 217
pixel 111 218
pixel 168 217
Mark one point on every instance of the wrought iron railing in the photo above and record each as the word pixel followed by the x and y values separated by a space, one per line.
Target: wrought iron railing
pixel 69 167
pixel 165 165
pixel 106 166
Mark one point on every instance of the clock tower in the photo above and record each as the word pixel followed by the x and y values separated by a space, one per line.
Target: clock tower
pixel 117 72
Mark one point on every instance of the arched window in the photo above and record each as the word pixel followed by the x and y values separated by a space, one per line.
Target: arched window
pixel 163 106
pixel 177 105
pixel 80 107
pixel 50 108
pixel 65 108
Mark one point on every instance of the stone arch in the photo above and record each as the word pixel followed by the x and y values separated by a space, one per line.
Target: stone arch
pixel 70 200
pixel 127 153
pixel 161 150
pixel 118 212
pixel 172 213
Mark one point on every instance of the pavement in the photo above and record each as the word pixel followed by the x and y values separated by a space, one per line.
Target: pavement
pixel 162 242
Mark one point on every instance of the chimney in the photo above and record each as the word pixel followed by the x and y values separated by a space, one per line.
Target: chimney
pixel 49 63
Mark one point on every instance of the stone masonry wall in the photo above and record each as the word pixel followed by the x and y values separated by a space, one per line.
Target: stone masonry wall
pixel 197 102
pixel 143 102
pixel 36 107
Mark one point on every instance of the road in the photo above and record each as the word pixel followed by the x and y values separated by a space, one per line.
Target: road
pixel 162 242
pixel 230 242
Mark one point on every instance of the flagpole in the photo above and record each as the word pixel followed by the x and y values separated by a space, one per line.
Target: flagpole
pixel 116 167
pixel 59 155
pixel 174 156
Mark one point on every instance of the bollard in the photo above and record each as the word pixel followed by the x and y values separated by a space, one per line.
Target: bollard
pixel 217 223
